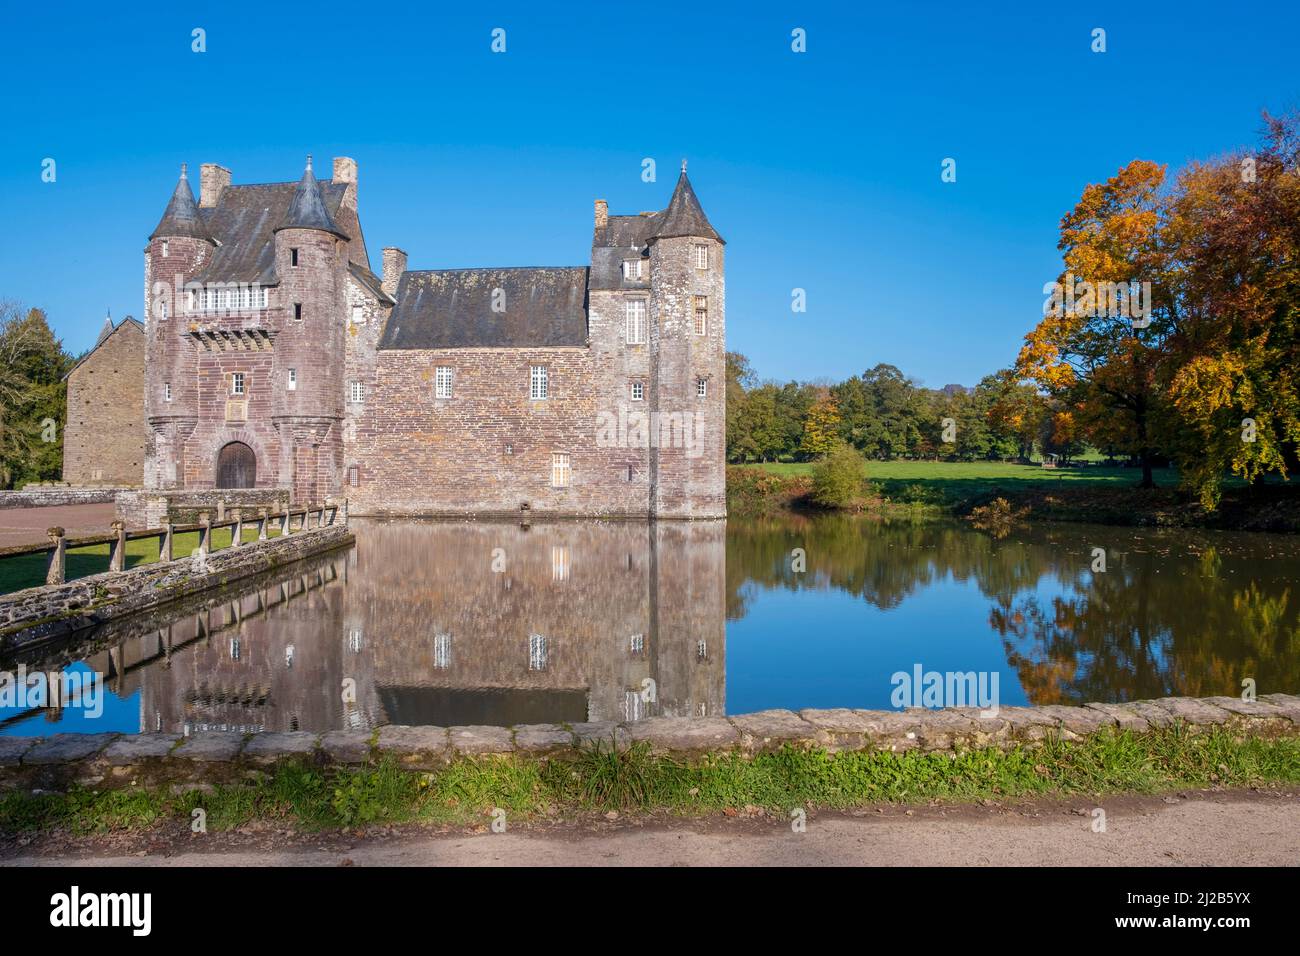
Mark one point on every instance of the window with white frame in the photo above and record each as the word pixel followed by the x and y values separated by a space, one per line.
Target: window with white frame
pixel 167 391
pixel 701 314
pixel 561 474
pixel 538 383
pixel 701 256
pixel 633 269
pixel 217 298
pixel 638 391
pixel 164 248
pixel 701 387
pixel 358 392
pixel 636 321
pixel 442 382
pixel 162 309
pixel 292 383
pixel 236 383
pixel 358 315
pixel 537 652
pixel 441 651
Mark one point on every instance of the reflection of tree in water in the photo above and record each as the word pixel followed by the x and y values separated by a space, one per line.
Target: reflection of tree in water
pixel 1167 616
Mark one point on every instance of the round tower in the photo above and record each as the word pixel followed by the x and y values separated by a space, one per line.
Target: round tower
pixel 178 249
pixel 688 361
pixel 311 259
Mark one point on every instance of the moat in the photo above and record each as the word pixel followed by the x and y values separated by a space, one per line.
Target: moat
pixel 455 623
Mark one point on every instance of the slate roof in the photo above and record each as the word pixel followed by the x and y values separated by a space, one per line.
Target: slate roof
pixel 244 222
pixel 307 208
pixel 370 281
pixel 452 308
pixel 627 237
pixel 182 218
pixel 684 215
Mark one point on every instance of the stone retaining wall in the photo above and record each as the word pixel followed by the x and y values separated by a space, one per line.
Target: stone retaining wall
pixel 53 612
pixel 37 496
pixel 117 760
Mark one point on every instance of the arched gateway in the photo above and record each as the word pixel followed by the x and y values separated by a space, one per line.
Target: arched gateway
pixel 236 466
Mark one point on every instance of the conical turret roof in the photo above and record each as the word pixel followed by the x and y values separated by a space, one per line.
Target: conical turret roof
pixel 307 209
pixel 684 215
pixel 182 219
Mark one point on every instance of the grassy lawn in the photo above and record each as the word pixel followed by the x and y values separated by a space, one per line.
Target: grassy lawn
pixel 599 780
pixel 29 570
pixel 958 480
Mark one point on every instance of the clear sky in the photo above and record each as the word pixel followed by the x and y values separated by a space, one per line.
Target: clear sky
pixel 820 169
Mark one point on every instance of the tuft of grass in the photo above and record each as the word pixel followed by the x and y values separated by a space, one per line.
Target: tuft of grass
pixel 604 778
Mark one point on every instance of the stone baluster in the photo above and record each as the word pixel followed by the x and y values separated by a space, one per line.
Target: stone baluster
pixel 57 568
pixel 205 534
pixel 261 524
pixel 237 532
pixel 117 554
pixel 165 542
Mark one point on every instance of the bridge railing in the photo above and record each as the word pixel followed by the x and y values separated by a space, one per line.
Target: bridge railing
pixel 267 524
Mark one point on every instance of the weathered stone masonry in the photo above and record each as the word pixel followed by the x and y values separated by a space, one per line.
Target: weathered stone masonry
pixel 110 761
pixel 275 358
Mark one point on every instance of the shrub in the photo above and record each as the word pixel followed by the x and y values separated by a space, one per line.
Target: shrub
pixel 837 478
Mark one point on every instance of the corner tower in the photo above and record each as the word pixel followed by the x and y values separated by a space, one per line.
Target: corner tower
pixel 311 262
pixel 178 249
pixel 687 361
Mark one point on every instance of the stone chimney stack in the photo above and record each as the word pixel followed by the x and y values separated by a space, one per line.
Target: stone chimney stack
pixel 212 180
pixel 345 170
pixel 602 216
pixel 394 266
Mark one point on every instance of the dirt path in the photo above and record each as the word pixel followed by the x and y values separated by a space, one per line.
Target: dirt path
pixel 27 525
pixel 1192 829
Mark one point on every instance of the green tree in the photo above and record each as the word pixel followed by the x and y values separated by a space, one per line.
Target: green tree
pixel 33 397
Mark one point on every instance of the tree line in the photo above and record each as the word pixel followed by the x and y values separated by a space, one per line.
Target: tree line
pixel 885 415
pixel 1171 335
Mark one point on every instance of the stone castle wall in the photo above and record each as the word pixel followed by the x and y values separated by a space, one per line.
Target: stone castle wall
pixel 104 438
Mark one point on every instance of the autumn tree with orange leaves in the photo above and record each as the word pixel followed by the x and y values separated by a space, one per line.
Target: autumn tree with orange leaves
pixel 1100 354
pixel 1235 223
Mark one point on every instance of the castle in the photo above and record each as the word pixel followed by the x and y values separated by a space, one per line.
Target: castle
pixel 276 359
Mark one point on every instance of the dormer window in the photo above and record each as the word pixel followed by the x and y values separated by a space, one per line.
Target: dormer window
pixel 632 269
pixel 293 257
pixel 701 256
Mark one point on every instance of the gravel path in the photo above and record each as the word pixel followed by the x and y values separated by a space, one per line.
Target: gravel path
pixel 1192 829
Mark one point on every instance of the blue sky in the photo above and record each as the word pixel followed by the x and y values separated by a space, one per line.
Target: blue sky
pixel 821 169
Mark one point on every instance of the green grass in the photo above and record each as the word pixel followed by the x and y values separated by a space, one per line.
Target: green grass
pixel 947 482
pixel 599 780
pixel 28 570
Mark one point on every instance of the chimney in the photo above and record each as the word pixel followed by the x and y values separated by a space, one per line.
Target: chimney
pixel 345 170
pixel 602 216
pixel 212 180
pixel 394 266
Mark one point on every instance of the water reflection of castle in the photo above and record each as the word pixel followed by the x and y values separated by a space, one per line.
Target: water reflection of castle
pixel 453 624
